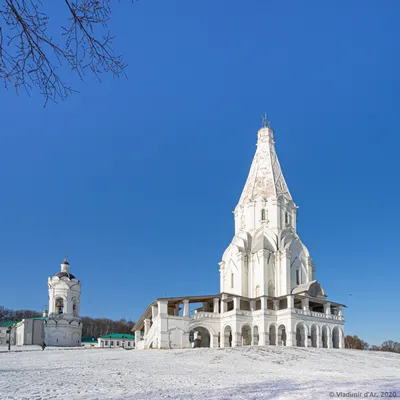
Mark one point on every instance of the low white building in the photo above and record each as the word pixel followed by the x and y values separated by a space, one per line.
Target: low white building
pixel 268 291
pixel 89 342
pixel 114 340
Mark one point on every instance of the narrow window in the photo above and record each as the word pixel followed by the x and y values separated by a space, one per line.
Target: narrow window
pixel 129 344
pixel 286 218
pixel 232 281
pixel 117 343
pixel 263 215
pixel 60 306
pixel 298 276
pixel 106 342
pixel 112 343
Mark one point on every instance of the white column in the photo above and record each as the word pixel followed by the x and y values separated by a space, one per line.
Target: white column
pixel 329 339
pixel 264 303
pixel 319 337
pixel 305 304
pixel 185 308
pixel 341 339
pixel 137 339
pixel 290 338
pixel 327 308
pixel 290 302
pixel 162 307
pixel 276 305
pixel 153 311
pixel 340 311
pixel 236 339
pixel 146 326
pixel 252 305
pixel 176 310
pixel 236 303
pixel 216 305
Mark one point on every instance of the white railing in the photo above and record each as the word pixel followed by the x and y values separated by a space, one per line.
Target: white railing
pixel 150 335
pixel 203 314
pixel 318 314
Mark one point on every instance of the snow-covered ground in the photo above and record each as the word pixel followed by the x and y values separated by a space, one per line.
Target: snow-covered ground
pixel 239 373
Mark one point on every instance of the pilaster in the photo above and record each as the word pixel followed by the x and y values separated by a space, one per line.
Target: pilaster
pixel 185 308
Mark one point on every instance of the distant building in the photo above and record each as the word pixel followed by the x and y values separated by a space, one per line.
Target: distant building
pixel 117 340
pixel 89 342
pixel 4 336
pixel 61 326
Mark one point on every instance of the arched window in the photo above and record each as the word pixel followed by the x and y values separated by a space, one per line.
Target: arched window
pixel 263 217
pixel 286 218
pixel 59 306
pixel 75 307
pixel 232 281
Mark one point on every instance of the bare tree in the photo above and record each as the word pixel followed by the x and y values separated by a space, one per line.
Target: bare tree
pixel 31 57
pixel 354 342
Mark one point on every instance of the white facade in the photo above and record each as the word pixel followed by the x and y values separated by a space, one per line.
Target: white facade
pixel 61 325
pixel 110 341
pixel 29 331
pixel 269 294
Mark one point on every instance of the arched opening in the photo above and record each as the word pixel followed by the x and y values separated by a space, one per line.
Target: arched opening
pixel 281 335
pixel 300 335
pixel 256 336
pixel 271 289
pixel 263 218
pixel 59 306
pixel 246 335
pixel 75 308
pixel 227 338
pixel 272 335
pixel 325 337
pixel 201 337
pixel 335 337
pixel 314 336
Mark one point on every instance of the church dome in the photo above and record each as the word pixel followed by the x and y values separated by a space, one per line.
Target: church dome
pixel 65 275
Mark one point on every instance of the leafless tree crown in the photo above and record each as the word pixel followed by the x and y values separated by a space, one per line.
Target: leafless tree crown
pixel 31 57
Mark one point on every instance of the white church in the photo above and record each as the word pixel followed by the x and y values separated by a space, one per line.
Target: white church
pixel 268 292
pixel 60 326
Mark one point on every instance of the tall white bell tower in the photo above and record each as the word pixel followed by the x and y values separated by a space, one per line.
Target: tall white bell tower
pixel 63 326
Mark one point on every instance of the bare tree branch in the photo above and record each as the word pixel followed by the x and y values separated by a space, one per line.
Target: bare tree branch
pixel 30 57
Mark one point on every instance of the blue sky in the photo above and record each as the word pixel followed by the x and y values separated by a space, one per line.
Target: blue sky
pixel 136 179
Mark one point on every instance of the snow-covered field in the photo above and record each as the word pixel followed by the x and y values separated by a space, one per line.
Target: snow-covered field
pixel 239 373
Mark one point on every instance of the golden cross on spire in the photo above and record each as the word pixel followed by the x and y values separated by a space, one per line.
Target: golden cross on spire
pixel 265 122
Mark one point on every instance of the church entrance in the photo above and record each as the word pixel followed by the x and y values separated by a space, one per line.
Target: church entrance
pixel 335 337
pixel 256 336
pixel 200 337
pixel 324 337
pixel 272 335
pixel 246 335
pixel 281 335
pixel 314 336
pixel 300 335
pixel 227 337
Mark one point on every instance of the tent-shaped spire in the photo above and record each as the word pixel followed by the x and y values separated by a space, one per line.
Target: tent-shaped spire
pixel 265 178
